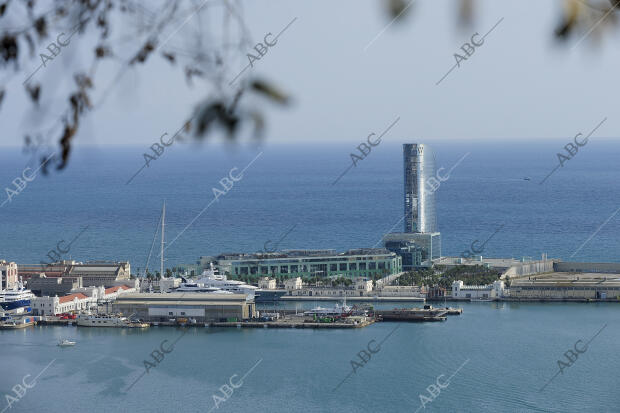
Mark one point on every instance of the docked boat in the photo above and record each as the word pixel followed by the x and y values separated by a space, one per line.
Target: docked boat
pixel 16 300
pixel 336 310
pixel 197 287
pixel 211 278
pixel 100 320
pixel 9 323
pixel 66 343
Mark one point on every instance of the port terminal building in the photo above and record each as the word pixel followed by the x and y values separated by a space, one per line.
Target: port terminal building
pixel 570 285
pixel 543 280
pixel 202 307
pixel 365 262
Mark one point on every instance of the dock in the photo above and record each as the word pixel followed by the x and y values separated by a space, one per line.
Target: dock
pixel 428 313
pixel 291 323
pixel 369 299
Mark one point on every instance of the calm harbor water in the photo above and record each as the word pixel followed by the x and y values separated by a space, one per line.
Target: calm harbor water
pixel 506 351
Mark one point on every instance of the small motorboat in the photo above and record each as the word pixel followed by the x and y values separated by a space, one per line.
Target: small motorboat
pixel 66 343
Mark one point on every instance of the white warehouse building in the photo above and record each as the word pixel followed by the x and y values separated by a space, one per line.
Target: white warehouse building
pixel 478 292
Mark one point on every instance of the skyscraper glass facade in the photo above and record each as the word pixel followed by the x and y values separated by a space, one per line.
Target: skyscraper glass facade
pixel 419 166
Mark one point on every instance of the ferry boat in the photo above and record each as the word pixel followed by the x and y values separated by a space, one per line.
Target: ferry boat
pixel 16 300
pixel 100 320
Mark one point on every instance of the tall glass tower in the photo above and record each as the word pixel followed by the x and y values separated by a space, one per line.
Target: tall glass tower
pixel 420 244
pixel 419 163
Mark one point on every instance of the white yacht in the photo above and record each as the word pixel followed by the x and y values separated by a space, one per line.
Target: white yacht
pixel 196 287
pixel 211 278
pixel 89 320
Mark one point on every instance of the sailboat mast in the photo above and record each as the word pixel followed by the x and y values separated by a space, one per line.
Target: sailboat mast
pixel 163 225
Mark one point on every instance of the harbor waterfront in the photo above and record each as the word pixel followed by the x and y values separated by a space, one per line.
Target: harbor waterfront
pixel 510 359
pixel 355 206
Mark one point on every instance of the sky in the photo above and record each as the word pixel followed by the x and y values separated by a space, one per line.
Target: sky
pixel 351 71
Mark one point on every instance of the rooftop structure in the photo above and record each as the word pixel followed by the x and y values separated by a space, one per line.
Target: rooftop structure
pixel 92 273
pixel 42 285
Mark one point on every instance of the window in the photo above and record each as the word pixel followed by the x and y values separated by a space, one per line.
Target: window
pixel 284 269
pixel 333 267
pixel 182 312
pixel 382 265
pixel 343 267
pixel 264 270
pixel 253 270
pixel 293 268
pixel 372 265
pixel 274 269
pixel 353 266
pixel 362 266
pixel 170 313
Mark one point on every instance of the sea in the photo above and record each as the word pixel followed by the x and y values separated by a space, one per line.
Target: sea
pixel 237 197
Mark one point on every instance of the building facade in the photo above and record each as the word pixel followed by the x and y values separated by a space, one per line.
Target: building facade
pixel 478 292
pixel 8 270
pixel 58 305
pixel 361 288
pixel 567 286
pixel 267 283
pixel 416 250
pixel 200 307
pixel 42 285
pixel 369 262
pixel 419 201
